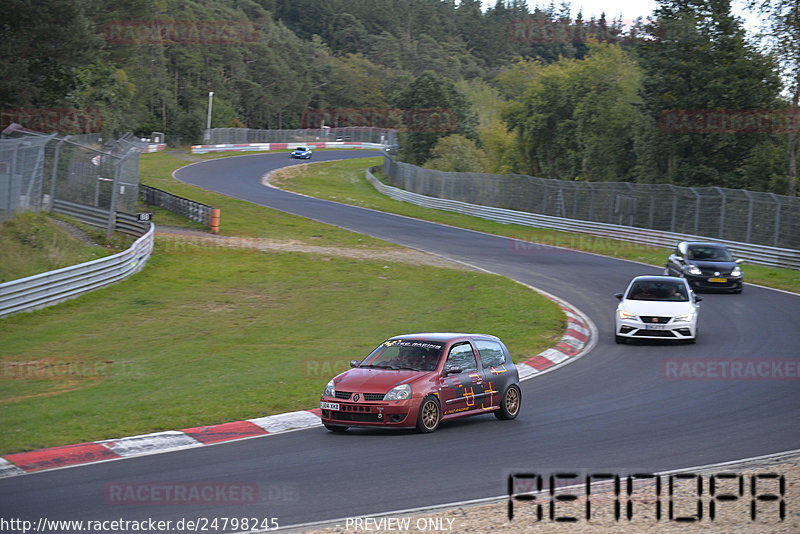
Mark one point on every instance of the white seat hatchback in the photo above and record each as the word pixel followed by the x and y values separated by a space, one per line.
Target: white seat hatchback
pixel 657 307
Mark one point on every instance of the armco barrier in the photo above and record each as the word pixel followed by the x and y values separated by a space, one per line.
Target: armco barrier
pixel 243 147
pixel 93 216
pixel 194 211
pixel 90 215
pixel 760 254
pixel 47 289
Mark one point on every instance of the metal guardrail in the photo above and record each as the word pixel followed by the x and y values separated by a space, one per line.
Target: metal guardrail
pixel 760 254
pixel 130 224
pixel 194 211
pixel 123 222
pixel 90 215
pixel 47 289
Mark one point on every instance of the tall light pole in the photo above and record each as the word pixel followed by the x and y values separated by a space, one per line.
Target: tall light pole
pixel 207 134
pixel 210 102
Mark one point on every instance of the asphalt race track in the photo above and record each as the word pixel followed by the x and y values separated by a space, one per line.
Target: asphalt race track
pixel 616 409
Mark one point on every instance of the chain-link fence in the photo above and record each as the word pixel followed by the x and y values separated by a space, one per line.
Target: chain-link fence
pixel 714 212
pixel 219 136
pixel 40 172
pixel 21 168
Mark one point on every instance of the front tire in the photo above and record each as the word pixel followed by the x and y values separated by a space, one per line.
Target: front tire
pixel 336 428
pixel 620 340
pixel 510 405
pixel 430 415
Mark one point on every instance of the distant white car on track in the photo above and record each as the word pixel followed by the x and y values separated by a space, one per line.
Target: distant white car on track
pixel 657 307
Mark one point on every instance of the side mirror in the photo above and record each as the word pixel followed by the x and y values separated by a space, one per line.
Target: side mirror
pixel 739 260
pixel 453 370
pixel 355 363
pixel 618 295
pixel 698 298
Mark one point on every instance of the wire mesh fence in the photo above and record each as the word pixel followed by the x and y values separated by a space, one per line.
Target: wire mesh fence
pixel 21 168
pixel 714 212
pixel 36 170
pixel 219 136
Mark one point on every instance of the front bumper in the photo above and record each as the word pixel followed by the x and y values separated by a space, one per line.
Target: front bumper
pixel 385 414
pixel 635 328
pixel 723 282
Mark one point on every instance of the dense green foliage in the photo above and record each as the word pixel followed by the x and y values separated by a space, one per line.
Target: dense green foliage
pixel 532 91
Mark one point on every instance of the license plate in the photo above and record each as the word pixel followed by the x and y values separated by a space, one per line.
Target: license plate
pixel 655 327
pixel 719 280
pixel 329 406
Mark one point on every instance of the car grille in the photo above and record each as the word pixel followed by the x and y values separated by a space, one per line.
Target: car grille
pixel 654 333
pixel 654 319
pixel 355 416
pixel 716 272
pixel 373 396
pixel 343 395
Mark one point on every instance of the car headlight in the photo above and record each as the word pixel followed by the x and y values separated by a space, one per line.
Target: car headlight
pixel 736 271
pixel 330 391
pixel 693 269
pixel 684 317
pixel 401 392
pixel 626 314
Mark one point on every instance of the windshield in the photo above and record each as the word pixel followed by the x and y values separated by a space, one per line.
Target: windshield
pixel 709 254
pixel 414 354
pixel 658 290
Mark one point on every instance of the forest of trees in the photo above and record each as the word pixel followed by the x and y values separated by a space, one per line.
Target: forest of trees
pixel 531 91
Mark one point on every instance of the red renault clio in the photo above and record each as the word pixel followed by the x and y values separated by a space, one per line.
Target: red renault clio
pixel 419 380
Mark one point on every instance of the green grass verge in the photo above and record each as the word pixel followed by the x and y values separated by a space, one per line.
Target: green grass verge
pixel 345 182
pixel 207 335
pixel 32 244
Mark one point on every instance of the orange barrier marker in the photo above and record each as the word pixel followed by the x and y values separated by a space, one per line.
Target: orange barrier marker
pixel 215 220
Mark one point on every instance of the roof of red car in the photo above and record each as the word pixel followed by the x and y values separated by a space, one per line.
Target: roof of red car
pixel 442 336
